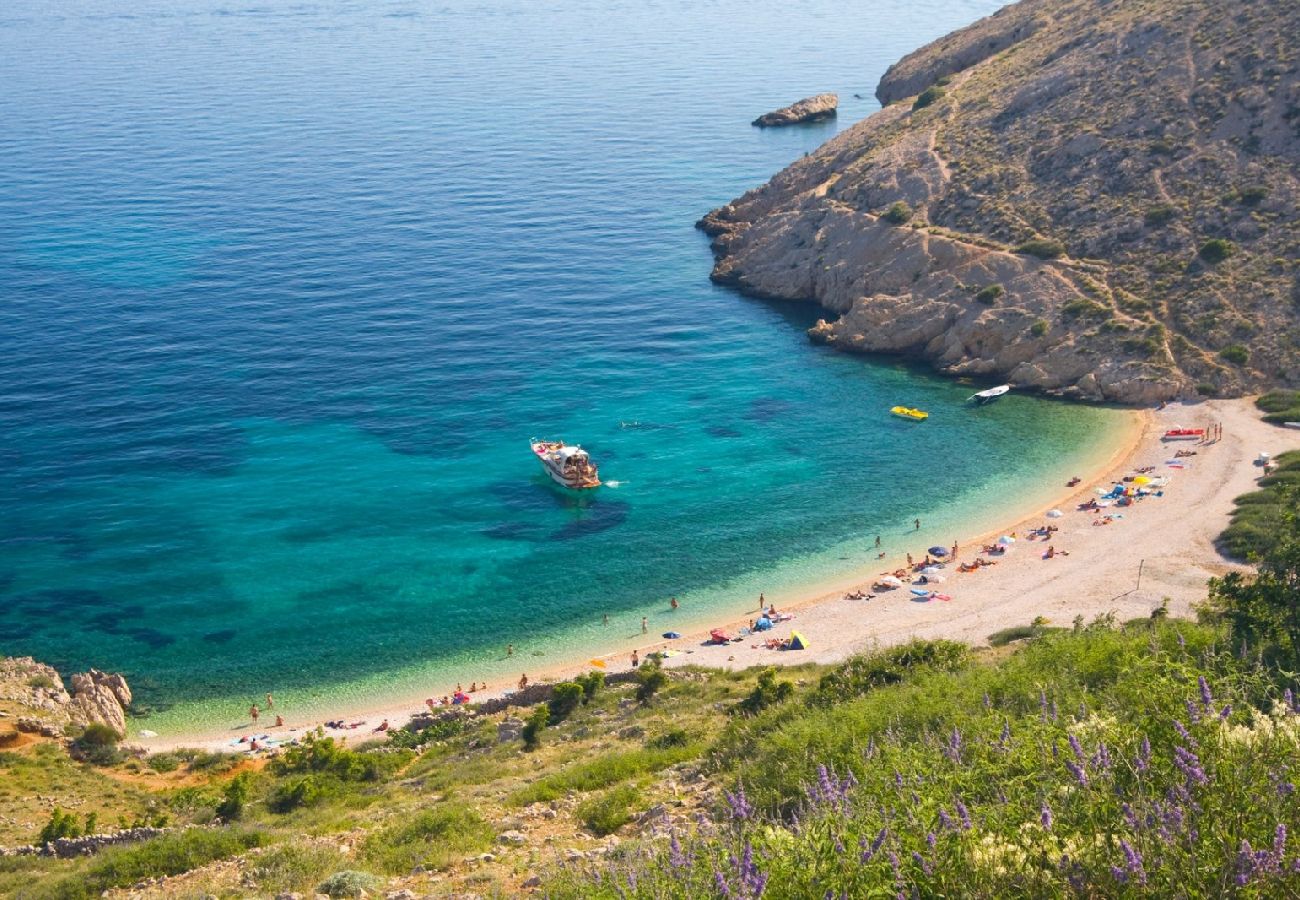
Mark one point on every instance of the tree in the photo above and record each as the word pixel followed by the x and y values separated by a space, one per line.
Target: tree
pixel 565 698
pixel 649 679
pixel 1263 610
pixel 533 728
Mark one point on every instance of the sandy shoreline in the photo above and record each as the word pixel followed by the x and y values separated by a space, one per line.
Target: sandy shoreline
pixel 1170 537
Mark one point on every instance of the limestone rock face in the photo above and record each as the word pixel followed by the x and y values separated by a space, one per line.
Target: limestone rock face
pixel 810 109
pixel 1038 219
pixel 100 698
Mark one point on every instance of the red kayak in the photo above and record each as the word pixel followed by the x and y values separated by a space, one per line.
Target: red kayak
pixel 1184 434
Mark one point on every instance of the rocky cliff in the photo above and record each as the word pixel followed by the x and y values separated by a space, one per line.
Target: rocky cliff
pixel 1096 198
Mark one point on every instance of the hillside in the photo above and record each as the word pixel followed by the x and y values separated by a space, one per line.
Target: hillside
pixel 1096 198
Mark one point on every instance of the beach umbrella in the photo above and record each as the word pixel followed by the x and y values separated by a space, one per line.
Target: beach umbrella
pixel 598 663
pixel 1054 514
pixel 890 579
pixel 1142 479
pixel 938 551
pixel 672 635
pixel 1006 540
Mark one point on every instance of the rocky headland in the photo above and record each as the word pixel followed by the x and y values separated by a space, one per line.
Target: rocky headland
pixel 1082 197
pixel 809 109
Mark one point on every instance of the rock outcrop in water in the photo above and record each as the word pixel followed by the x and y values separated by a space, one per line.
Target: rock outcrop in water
pixel 810 109
pixel 1085 197
pixel 34 693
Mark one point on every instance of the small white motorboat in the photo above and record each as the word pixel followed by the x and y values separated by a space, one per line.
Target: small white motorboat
pixel 990 395
pixel 567 464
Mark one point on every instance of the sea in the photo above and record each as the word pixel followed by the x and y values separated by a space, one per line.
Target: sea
pixel 287 287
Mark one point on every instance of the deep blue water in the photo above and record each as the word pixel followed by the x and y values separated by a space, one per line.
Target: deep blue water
pixel 286 287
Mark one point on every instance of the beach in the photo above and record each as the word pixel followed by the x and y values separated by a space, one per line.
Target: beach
pixel 1168 539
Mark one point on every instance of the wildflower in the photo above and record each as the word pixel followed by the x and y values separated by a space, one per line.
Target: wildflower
pixel 898 778
pixel 1077 748
pixel 945 821
pixel 1053 710
pixel 920 861
pixel 1143 761
pixel 1133 862
pixel 1045 816
pixel 1207 699
pixel 1042 705
pixel 1225 712
pixel 988 701
pixel 1192 713
pixel 931 840
pixel 739 804
pixel 1289 698
pixel 1182 641
pixel 953 750
pixel 1101 759
pixel 1078 773
pixel 871 851
pixel 1190 765
pixel 1006 734
pixel 1184 733
pixel 676 858
pixel 964 814
pixel 750 877
pixel 720 881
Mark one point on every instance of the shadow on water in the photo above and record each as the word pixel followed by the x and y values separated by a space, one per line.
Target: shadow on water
pixel 593 520
pixel 722 431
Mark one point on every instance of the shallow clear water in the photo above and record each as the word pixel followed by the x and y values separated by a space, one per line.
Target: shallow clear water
pixel 286 288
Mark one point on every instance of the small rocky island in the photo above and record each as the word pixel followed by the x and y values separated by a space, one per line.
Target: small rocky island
pixel 809 109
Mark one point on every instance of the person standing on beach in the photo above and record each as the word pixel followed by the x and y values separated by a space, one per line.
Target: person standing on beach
pixel 270 701
pixel 254 712
pixel 523 681
pixel 917 522
pixel 673 603
pixel 510 649
pixel 645 625
pixel 762 601
pixel 954 549
pixel 877 540
pixel 605 619
pixel 636 660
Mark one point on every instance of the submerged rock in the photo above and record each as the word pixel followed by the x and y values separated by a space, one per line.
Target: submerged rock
pixel 809 109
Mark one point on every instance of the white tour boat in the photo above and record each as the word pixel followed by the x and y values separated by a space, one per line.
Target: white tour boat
pixel 567 464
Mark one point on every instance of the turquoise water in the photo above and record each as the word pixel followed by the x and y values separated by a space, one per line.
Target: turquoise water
pixel 287 287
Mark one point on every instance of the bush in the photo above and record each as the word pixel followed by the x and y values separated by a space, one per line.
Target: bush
pixel 1280 406
pixel 98 745
pixel 928 96
pixel 1216 250
pixel 1160 214
pixel 302 791
pixel 863 674
pixel 565 698
pixel 1235 353
pixel 348 883
pixel 164 762
pixel 170 854
pixel 673 737
pixel 442 730
pixel 61 825
pixel 533 728
pixel 1258 517
pixel 294 867
pixel 1253 195
pixel 432 838
pixel 610 811
pixel 41 682
pixel 234 797
pixel 649 679
pixel 591 683
pixel 1043 248
pixel 990 294
pixel 1039 328
pixel 601 772
pixel 898 214
pixel 321 756
pixel 768 692
pixel 1205 389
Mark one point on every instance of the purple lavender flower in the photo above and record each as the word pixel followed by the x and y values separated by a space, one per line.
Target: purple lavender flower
pixel 1184 733
pixel 1006 734
pixel 1207 699
pixel 1143 761
pixel 875 845
pixel 988 701
pixel 1053 709
pixel 1119 874
pixel 1101 759
pixel 1289 699
pixel 1045 816
pixel 898 778
pixel 1042 705
pixel 964 814
pixel 931 840
pixel 1078 773
pixel 953 750
pixel 945 820
pixel 1193 714
pixel 1133 862
pixel 1077 748
pixel 1225 712
pixel 920 861
pixel 1190 765
pixel 739 804
pixel 676 858
pixel 751 878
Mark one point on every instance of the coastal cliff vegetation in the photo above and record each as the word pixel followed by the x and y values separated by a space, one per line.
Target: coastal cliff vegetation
pixel 1153 757
pixel 1127 172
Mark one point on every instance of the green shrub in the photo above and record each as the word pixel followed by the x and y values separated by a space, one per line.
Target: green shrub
pixel 1043 248
pixel 171 854
pixel 928 96
pixel 1257 518
pixel 97 745
pixel 591 683
pixel 1205 389
pixel 302 791
pixel 533 728
pixel 673 737
pixel 61 825
pixel 1083 308
pixel 348 883
pixel 41 682
pixel 608 812
pixel 321 756
pixel 1039 328
pixel 432 838
pixel 1235 353
pixel 898 214
pixel 601 772
pixel 1280 406
pixel 989 295
pixel 164 762
pixel 294 867
pixel 565 698
pixel 649 679
pixel 1160 214
pixel 1216 250
pixel 234 797
pixel 768 692
pixel 1252 195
